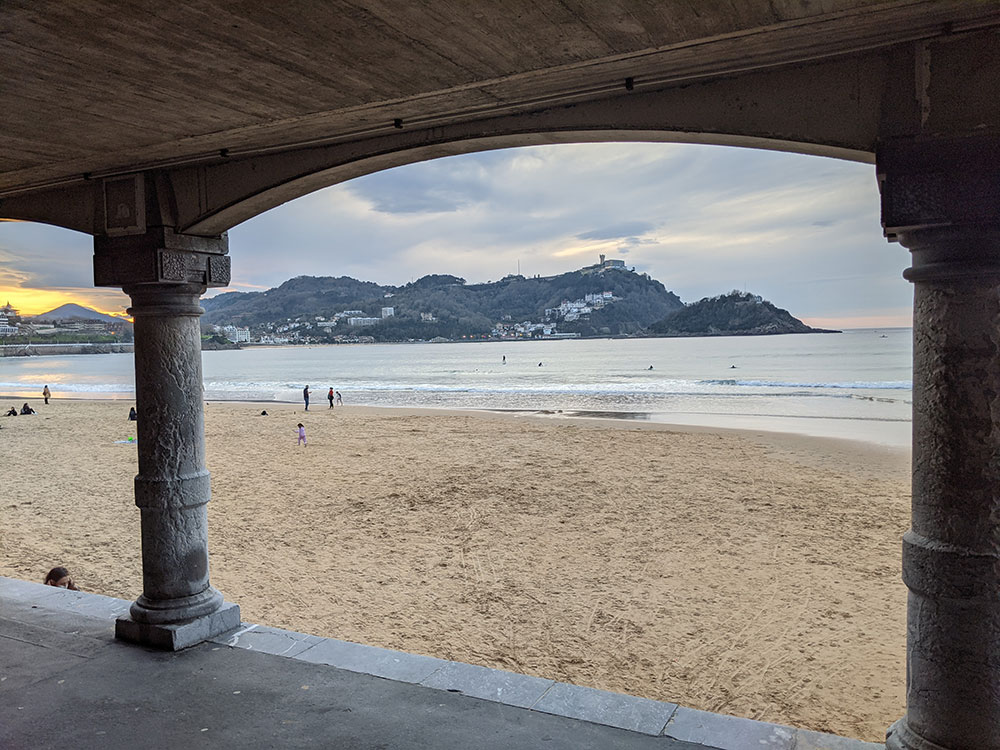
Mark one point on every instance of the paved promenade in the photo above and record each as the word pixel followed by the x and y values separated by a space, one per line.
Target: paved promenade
pixel 66 683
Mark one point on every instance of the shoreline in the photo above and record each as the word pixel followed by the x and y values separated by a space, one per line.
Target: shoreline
pixel 848 448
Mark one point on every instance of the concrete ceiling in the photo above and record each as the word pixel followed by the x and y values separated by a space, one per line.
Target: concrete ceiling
pixel 92 89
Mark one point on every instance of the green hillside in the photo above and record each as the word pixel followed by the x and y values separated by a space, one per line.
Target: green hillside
pixel 458 309
pixel 733 314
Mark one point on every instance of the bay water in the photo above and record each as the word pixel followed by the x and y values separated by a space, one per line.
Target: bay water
pixel 855 384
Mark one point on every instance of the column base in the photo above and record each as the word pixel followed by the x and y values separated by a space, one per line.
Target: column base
pixel 900 737
pixel 175 636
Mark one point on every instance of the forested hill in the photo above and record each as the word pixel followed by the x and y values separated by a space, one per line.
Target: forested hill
pixel 733 314
pixel 457 308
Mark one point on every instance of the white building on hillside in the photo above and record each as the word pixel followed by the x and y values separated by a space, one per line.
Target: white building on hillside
pixel 237 335
pixel 388 312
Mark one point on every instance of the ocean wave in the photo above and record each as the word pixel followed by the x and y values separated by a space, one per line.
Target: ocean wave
pixel 570 389
pixel 893 385
pixel 70 387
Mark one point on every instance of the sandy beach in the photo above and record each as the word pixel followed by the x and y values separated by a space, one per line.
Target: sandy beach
pixel 748 573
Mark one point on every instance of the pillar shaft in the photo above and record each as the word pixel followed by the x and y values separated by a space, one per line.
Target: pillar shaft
pixel 172 487
pixel 951 554
pixel 935 202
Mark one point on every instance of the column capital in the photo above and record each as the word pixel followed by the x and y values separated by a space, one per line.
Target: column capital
pixel 941 200
pixel 161 256
pixel 933 183
pixel 165 300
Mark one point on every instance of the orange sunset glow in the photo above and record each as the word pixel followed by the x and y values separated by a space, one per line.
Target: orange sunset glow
pixel 36 301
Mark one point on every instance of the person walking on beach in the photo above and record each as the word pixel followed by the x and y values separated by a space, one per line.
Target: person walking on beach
pixel 305 396
pixel 46 393
pixel 340 401
pixel 330 397
pixel 302 434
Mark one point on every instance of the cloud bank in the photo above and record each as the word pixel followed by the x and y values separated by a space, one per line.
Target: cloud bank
pixel 801 231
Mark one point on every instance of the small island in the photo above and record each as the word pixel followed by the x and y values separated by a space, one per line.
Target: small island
pixel 734 314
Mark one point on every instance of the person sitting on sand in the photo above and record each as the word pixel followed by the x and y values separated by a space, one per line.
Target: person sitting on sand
pixel 132 416
pixel 27 409
pixel 12 412
pixel 302 434
pixel 59 577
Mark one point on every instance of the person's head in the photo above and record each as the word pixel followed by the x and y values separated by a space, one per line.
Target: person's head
pixel 59 576
pixel 301 425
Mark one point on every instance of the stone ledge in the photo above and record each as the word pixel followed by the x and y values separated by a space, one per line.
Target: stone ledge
pixel 736 733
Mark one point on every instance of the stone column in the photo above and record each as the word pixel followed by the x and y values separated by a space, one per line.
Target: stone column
pixel 165 274
pixel 940 200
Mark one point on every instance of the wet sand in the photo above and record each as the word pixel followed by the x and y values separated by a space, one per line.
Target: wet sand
pixel 755 574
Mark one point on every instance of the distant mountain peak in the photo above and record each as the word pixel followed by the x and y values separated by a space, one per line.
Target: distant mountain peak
pixel 72 311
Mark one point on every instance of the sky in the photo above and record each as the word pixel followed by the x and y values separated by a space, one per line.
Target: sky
pixel 801 231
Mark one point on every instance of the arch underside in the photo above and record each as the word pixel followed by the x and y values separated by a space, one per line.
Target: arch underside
pixel 840 107
pixel 271 196
pixel 831 108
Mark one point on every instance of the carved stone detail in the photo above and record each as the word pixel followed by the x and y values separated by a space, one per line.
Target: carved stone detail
pixel 175 266
pixel 927 183
pixel 218 270
pixel 160 256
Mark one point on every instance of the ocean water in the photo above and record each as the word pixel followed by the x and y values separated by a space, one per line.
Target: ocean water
pixel 854 385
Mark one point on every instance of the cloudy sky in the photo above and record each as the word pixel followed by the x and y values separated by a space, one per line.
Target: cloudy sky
pixel 801 231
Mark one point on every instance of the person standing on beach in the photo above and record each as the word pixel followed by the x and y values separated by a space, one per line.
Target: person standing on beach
pixel 330 397
pixel 340 401
pixel 302 434
pixel 46 393
pixel 305 396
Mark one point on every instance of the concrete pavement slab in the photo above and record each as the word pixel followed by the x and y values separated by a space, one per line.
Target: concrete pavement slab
pixel 216 697
pixel 268 640
pixel 614 709
pixel 23 663
pixel 728 732
pixel 489 684
pixel 381 662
